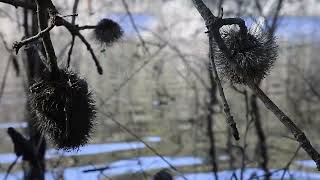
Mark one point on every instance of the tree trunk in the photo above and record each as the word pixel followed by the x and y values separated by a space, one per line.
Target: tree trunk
pixel 35 169
pixel 210 124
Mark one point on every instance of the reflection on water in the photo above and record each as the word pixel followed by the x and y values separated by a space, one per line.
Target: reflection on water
pixel 152 139
pixel 7 158
pixel 90 149
pixel 137 165
pixel 306 163
pixel 13 125
pixel 121 167
pixel 251 173
pixel 131 166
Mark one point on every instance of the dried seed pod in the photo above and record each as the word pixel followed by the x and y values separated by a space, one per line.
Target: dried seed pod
pixel 107 31
pixel 65 109
pixel 253 55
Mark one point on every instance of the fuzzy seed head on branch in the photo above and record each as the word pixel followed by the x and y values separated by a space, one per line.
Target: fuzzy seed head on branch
pixel 252 54
pixel 65 109
pixel 107 31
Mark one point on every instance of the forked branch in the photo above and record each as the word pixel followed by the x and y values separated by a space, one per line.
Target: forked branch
pixel 214 24
pixel 43 8
pixel 18 45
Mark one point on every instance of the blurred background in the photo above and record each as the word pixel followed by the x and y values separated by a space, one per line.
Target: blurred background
pixel 158 86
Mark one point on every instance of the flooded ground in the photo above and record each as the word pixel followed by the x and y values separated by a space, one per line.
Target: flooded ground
pixel 131 158
pixel 162 97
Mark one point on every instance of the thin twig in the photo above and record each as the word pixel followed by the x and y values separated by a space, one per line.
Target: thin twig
pixel 11 167
pixel 63 50
pixel 226 107
pixel 20 3
pixel 290 162
pixel 5 43
pixel 109 115
pixel 307 82
pixel 262 140
pixel 274 24
pixel 181 56
pixel 89 48
pixel 4 78
pixel 73 22
pixel 74 11
pixel 135 26
pixel 41 55
pixel 210 19
pixel 45 7
pixel 298 134
pixel 18 45
pixel 70 50
pixel 74 31
pixel 71 15
pixel 146 62
pixel 215 24
pixel 248 125
pixel 86 27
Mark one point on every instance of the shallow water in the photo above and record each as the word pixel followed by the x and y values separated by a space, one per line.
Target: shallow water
pixel 306 163
pixel 13 125
pixel 251 173
pixel 121 167
pixel 90 149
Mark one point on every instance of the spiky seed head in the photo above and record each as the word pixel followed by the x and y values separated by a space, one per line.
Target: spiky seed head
pixel 107 31
pixel 253 55
pixel 64 107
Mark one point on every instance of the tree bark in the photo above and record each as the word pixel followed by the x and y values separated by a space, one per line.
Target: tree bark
pixel 33 169
pixel 210 124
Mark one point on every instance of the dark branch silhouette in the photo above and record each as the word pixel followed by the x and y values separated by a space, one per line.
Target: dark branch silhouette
pixel 214 24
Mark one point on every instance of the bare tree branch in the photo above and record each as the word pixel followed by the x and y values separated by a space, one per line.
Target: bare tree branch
pixel 135 26
pixel 47 6
pixel 274 24
pixel 11 167
pixel 135 72
pixel 18 45
pixel 214 24
pixel 290 162
pixel 226 107
pixel 44 7
pixel 74 31
pixel 262 140
pixel 182 57
pixel 20 3
pixel 210 19
pixel 73 21
pixel 110 116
